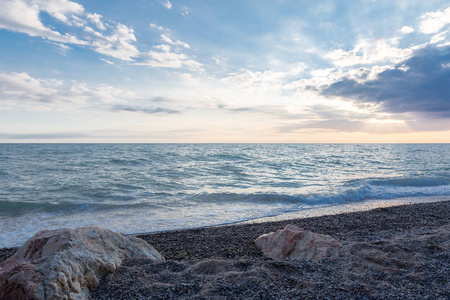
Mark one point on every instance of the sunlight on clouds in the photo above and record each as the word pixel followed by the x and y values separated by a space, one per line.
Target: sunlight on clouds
pixel 263 81
pixel 385 121
pixel 369 52
pixel 442 36
pixel 434 21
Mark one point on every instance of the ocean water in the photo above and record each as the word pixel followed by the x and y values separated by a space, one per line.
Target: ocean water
pixel 135 188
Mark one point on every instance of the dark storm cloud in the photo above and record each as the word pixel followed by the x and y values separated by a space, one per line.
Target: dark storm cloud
pixel 424 86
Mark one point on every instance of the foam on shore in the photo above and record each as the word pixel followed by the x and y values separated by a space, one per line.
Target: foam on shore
pixel 347 208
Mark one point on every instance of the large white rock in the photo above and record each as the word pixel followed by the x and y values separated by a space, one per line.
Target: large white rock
pixel 65 263
pixel 297 243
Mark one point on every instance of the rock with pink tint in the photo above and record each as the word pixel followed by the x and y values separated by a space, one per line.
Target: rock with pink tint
pixel 65 263
pixel 296 243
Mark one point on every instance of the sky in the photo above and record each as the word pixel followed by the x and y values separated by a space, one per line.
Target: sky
pixel 195 71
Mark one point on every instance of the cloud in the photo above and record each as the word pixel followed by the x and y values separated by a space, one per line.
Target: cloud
pixel 185 11
pixel 321 78
pixel 26 92
pixel 276 111
pixel 169 60
pixel 434 21
pixel 329 118
pixel 420 85
pixel 407 30
pixel 167 4
pixel 24 16
pixel 156 26
pixel 40 136
pixel 368 52
pixel 437 38
pixel 22 87
pixel 264 80
pixel 107 61
pixel 117 45
pixel 97 20
pixel 145 110
pixel 63 10
pixel 165 48
pixel 177 43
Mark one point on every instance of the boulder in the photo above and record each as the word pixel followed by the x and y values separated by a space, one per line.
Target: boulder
pixel 65 263
pixel 296 243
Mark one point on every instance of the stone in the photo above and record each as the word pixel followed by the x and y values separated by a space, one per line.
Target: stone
pixel 66 263
pixel 295 243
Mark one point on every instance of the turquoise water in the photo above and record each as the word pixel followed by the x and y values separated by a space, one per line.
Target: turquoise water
pixel 151 187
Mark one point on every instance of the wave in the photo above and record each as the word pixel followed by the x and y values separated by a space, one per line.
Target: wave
pixel 19 208
pixel 411 182
pixel 350 191
pixel 356 191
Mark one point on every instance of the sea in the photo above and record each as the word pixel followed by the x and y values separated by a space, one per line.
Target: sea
pixel 141 188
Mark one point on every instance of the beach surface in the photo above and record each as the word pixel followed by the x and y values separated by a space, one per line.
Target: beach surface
pixel 399 252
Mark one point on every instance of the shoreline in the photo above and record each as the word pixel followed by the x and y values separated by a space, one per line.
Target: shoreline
pixel 326 210
pixel 389 252
pixel 309 212
pixel 349 207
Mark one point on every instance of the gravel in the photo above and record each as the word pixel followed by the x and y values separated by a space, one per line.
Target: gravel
pixel 398 252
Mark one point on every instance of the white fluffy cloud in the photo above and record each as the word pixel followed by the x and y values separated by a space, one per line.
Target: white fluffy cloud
pixel 118 44
pixel 434 21
pixel 407 29
pixel 367 52
pixel 24 16
pixel 63 10
pixel 168 58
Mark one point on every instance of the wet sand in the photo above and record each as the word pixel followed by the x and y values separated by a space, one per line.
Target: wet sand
pixel 400 252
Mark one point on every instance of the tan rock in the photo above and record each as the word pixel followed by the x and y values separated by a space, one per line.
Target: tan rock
pixel 65 263
pixel 297 243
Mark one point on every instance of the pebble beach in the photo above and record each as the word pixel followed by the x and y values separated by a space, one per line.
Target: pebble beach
pixel 400 252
